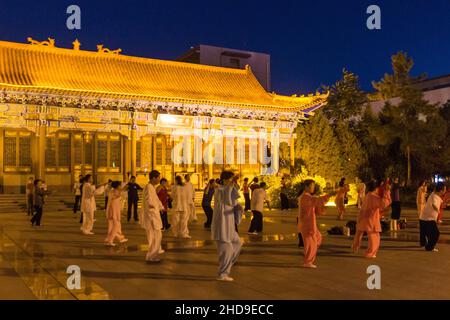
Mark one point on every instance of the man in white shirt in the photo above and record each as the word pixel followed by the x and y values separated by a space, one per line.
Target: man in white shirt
pixel 429 232
pixel 259 196
pixel 191 198
pixel 151 218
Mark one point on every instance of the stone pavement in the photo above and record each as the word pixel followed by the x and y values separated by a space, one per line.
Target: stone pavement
pixel 33 262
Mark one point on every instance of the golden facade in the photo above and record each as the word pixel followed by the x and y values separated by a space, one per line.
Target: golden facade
pixel 67 112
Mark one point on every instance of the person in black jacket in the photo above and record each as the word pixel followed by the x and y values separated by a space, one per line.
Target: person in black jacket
pixel 39 195
pixel 133 198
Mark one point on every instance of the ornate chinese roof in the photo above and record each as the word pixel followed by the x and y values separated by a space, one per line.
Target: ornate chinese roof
pixel 42 68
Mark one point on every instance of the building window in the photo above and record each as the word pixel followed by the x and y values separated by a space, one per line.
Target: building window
pixel 159 151
pixel 17 151
pixel 168 150
pixel 109 152
pixel 144 154
pixel 235 63
pixel 58 152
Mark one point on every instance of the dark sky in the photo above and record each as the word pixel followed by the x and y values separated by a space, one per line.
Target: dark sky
pixel 309 41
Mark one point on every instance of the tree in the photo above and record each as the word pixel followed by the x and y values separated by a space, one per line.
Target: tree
pixel 416 125
pixel 346 100
pixel 392 85
pixel 352 156
pixel 317 148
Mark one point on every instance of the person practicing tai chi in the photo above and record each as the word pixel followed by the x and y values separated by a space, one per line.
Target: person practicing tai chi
pixel 180 217
pixel 310 206
pixel 226 217
pixel 257 204
pixel 429 231
pixel 164 197
pixel 369 218
pixel 113 211
pixel 421 198
pixel 133 198
pixel 208 195
pixel 191 198
pixel 340 198
pixel 151 218
pixel 88 205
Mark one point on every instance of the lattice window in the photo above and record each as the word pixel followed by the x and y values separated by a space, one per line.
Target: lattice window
pixel 50 152
pixel 88 146
pixel 168 150
pixel 115 154
pixel 159 151
pixel 64 152
pixel 78 150
pixel 10 147
pixel 24 151
pixel 102 153
pixel 17 151
pixel 109 152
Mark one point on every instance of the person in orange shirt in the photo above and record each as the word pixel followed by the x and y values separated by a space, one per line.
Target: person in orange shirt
pixel 310 206
pixel 369 218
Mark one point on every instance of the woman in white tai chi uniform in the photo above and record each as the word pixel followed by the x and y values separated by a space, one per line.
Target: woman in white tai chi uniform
pixel 88 205
pixel 227 216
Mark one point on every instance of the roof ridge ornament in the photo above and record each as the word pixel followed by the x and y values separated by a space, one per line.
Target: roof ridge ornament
pixel 49 43
pixel 101 49
pixel 76 45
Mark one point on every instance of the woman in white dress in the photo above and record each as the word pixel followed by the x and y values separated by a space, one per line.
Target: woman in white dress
pixel 181 213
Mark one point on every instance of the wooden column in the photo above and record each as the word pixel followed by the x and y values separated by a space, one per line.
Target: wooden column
pixel 292 153
pixel 127 159
pixel 41 139
pixel 133 152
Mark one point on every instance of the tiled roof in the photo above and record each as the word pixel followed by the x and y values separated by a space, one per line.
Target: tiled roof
pixel 52 70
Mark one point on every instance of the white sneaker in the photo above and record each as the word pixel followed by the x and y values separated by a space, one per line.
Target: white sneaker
pixel 153 260
pixel 435 250
pixel 187 237
pixel 161 251
pixel 123 240
pixel 313 266
pixel 225 278
pixel 110 244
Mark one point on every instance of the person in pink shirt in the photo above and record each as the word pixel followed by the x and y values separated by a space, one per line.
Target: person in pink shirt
pixel 113 209
pixel 369 218
pixel 310 206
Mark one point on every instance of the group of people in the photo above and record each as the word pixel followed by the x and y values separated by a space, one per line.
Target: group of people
pixel 379 196
pixel 226 214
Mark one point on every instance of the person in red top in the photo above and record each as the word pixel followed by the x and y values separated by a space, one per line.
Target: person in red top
pixel 163 196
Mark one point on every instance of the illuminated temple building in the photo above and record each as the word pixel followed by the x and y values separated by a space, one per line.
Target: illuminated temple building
pixel 65 112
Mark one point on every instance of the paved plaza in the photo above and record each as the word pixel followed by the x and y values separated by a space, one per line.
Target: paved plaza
pixel 33 262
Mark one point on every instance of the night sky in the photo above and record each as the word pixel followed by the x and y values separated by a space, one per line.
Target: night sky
pixel 309 41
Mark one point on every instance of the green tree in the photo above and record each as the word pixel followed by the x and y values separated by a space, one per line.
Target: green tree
pixel 317 148
pixel 352 156
pixel 415 124
pixel 346 100
pixel 392 85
